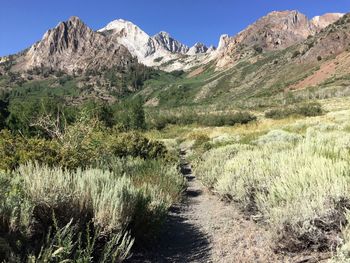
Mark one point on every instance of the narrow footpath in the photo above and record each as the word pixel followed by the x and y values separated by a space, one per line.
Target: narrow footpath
pixel 204 228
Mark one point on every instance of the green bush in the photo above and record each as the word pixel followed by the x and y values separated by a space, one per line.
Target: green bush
pixel 15 150
pixel 51 212
pixel 160 121
pixel 307 110
pixel 310 109
pixel 296 54
pixel 83 145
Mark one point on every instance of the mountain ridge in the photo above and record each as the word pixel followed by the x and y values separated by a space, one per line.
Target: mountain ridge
pixel 119 39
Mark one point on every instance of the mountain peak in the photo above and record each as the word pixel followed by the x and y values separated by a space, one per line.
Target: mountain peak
pixel 71 46
pixel 163 33
pixel 198 48
pixel 75 19
pixel 121 24
pixel 169 43
pixel 284 12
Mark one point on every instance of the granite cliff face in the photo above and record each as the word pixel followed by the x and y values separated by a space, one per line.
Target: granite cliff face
pixel 72 46
pixel 163 40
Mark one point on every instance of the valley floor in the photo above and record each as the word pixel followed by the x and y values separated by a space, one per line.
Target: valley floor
pixel 204 228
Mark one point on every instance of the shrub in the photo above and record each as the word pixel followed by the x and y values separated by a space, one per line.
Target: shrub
pixel 210 166
pixel 279 136
pixel 300 190
pixel 84 212
pixel 310 109
pixel 15 149
pixel 78 198
pixel 277 113
pixel 210 119
pixel 258 49
pixel 296 54
pixel 136 145
pixel 83 145
pixel 307 110
pixel 201 141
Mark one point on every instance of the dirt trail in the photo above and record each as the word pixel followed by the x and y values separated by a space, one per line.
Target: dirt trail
pixel 205 229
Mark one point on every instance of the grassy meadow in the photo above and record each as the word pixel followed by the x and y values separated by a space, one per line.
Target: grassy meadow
pixel 290 175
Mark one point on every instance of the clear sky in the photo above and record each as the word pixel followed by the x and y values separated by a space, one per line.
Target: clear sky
pixel 23 22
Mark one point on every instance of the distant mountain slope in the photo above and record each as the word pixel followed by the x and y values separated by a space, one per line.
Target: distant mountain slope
pixel 317 67
pixel 275 31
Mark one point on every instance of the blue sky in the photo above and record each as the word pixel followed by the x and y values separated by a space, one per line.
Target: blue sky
pixel 23 22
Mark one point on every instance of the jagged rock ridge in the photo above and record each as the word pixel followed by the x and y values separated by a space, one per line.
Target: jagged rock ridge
pixel 72 46
pixel 151 51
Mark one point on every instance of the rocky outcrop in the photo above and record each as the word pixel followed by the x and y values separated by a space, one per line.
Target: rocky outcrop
pixel 164 41
pixel 331 41
pixel 72 46
pixel 277 30
pixel 325 20
pixel 198 48
pixel 151 51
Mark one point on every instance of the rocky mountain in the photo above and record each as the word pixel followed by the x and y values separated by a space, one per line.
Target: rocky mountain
pixel 165 41
pixel 149 50
pixel 199 48
pixel 131 36
pixel 72 46
pixel 323 21
pixel 275 31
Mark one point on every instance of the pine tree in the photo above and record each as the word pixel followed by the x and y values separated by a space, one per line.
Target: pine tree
pixel 138 121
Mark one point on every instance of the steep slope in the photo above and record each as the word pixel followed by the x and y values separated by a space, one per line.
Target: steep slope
pixel 275 31
pixel 72 47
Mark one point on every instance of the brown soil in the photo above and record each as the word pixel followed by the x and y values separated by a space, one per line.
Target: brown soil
pixel 195 72
pixel 339 65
